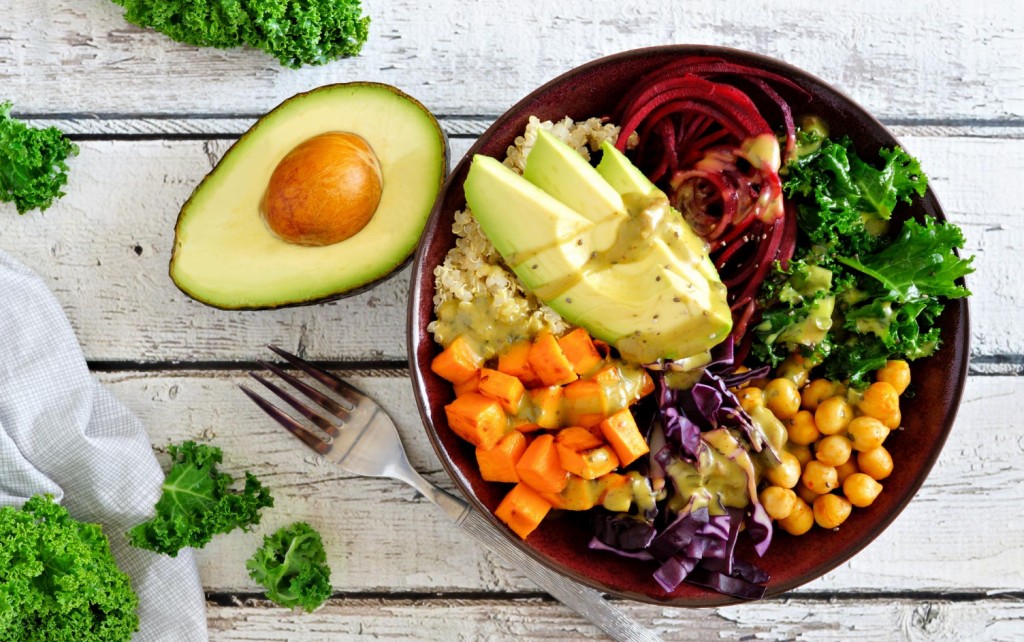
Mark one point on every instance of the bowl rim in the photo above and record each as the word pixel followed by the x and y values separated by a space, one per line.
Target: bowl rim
pixel 422 274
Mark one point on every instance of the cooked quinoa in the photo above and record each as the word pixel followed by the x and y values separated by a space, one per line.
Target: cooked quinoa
pixel 473 276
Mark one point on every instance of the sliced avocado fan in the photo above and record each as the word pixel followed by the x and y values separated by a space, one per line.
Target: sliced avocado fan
pixel 604 249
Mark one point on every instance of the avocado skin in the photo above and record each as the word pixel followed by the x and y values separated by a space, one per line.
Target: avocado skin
pixel 388 272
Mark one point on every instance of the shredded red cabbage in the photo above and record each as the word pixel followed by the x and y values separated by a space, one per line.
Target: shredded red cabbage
pixel 693 545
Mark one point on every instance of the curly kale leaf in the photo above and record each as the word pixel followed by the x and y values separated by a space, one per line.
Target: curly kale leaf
pixel 197 502
pixel 33 163
pixel 58 579
pixel 920 262
pixel 296 32
pixel 292 565
pixel 844 201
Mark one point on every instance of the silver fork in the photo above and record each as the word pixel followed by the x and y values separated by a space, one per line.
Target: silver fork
pixel 367 443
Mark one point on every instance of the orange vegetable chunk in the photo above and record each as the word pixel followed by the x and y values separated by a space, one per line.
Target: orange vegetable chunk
pixel 578 494
pixel 548 405
pixel 459 361
pixel 503 387
pixel 577 439
pixel 515 362
pixel 585 403
pixel 523 509
pixel 588 464
pixel 621 431
pixel 647 387
pixel 580 351
pixel 469 385
pixel 539 467
pixel 498 464
pixel 549 362
pixel 477 419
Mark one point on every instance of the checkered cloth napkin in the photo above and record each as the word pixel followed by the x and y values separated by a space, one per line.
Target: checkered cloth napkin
pixel 63 434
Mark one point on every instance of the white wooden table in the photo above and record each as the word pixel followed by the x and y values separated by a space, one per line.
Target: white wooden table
pixel 152 116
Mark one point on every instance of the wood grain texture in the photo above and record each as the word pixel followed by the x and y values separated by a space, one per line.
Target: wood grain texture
pixel 535 620
pixel 382 538
pixel 898 59
pixel 104 250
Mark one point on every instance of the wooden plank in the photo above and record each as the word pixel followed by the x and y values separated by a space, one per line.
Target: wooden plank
pixel 523 620
pixel 58 56
pixel 382 538
pixel 104 250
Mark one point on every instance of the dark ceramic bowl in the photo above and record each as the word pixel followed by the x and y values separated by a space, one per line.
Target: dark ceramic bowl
pixel 561 541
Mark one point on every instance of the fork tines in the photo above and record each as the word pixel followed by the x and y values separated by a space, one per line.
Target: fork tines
pixel 328 380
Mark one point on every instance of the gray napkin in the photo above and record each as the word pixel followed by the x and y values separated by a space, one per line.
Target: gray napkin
pixel 63 434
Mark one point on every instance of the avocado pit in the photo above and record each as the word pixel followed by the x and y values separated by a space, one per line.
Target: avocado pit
pixel 324 190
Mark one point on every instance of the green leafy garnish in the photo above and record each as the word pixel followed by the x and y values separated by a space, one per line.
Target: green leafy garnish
pixel 292 565
pixel 58 579
pixel 844 201
pixel 310 32
pixel 885 294
pixel 197 502
pixel 33 163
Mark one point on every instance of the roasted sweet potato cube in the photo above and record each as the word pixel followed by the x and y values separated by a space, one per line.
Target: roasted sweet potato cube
pixel 621 431
pixel 580 351
pixel 503 387
pixel 578 439
pixel 478 419
pixel 547 406
pixel 585 403
pixel 647 387
pixel 588 464
pixel 578 494
pixel 539 467
pixel 515 362
pixel 616 492
pixel 549 362
pixel 523 509
pixel 459 361
pixel 498 464
pixel 469 385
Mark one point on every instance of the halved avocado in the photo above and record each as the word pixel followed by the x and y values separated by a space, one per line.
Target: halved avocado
pixel 226 253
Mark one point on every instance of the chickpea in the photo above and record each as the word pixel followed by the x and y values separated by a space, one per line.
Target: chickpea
pixel 876 463
pixel 861 489
pixel 831 510
pixel 778 502
pixel 805 493
pixel 833 415
pixel 782 398
pixel 802 453
pixel 893 421
pixel 867 433
pixel 833 450
pixel 801 429
pixel 800 519
pixel 787 473
pixel 750 398
pixel 880 401
pixel 896 374
pixel 845 470
pixel 795 368
pixel 819 477
pixel 816 392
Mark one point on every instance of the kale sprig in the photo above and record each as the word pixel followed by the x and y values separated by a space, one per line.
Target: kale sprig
pixel 33 163
pixel 58 579
pixel 198 503
pixel 292 565
pixel 310 32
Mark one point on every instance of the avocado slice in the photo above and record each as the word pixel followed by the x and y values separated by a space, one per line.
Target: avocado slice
pixel 638 278
pixel 560 171
pixel 225 254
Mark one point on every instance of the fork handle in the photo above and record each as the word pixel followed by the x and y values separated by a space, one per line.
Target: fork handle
pixel 584 600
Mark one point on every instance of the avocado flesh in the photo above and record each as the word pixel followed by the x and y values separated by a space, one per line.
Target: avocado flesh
pixel 640 280
pixel 560 171
pixel 226 256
